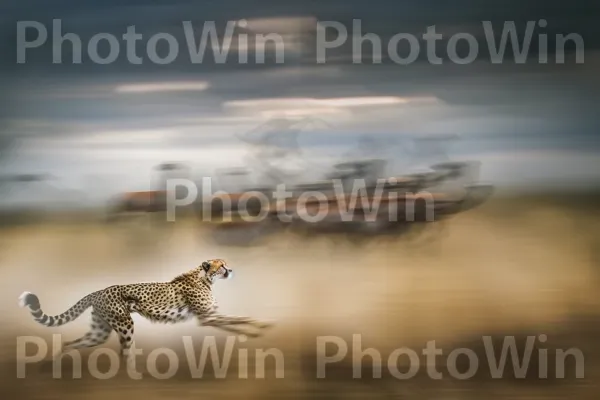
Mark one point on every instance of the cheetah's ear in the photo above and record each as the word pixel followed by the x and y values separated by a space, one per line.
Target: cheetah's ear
pixel 205 266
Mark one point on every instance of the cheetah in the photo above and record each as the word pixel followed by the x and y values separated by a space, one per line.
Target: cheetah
pixel 186 296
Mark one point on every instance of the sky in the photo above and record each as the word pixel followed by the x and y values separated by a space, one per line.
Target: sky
pixel 102 128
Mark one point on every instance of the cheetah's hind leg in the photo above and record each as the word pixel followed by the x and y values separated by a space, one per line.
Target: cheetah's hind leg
pixel 98 334
pixel 122 323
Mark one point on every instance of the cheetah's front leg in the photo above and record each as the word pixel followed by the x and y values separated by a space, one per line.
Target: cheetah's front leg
pixel 208 316
pixel 232 324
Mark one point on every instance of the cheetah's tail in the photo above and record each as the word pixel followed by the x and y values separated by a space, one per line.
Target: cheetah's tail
pixel 32 302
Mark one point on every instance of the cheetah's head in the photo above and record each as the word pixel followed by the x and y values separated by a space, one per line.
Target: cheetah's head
pixel 216 269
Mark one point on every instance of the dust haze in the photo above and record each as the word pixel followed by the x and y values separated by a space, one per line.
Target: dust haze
pixel 515 266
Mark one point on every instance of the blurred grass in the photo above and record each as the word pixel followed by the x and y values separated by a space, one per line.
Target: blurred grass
pixel 519 265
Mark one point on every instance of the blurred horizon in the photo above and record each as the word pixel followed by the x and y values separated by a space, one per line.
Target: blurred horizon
pixel 101 129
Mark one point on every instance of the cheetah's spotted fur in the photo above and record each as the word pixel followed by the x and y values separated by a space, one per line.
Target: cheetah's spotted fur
pixel 188 295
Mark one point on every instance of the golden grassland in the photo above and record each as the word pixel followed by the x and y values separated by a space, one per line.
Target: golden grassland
pixel 516 266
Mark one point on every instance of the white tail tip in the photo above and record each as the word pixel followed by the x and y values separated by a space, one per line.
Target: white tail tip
pixel 22 298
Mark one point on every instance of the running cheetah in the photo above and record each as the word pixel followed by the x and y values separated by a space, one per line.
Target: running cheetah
pixel 188 295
